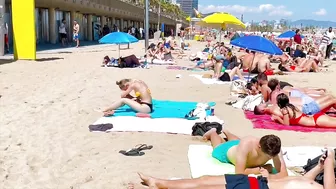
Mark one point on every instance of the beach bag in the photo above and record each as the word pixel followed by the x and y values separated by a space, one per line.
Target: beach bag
pixel 311 163
pixel 200 128
pixel 237 87
pixel 250 102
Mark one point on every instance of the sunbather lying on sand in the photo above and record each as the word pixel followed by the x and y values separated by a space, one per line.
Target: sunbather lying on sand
pixel 326 165
pixel 275 84
pixel 300 65
pixel 317 105
pixel 293 116
pixel 142 102
pixel 248 154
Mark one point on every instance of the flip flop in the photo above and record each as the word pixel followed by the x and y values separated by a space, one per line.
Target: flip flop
pixel 137 150
pixel 132 152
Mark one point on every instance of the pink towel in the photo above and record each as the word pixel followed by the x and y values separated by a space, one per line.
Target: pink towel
pixel 265 122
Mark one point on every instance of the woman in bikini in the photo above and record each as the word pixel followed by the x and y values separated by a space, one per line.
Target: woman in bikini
pixel 142 102
pixel 300 65
pixel 293 116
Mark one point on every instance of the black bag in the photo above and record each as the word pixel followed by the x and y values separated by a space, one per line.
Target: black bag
pixel 311 163
pixel 200 128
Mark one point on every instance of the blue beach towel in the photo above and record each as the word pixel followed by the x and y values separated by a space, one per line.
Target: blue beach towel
pixel 164 109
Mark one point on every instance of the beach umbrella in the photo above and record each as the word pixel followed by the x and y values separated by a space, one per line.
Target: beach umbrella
pixel 118 38
pixel 287 35
pixel 257 43
pixel 223 21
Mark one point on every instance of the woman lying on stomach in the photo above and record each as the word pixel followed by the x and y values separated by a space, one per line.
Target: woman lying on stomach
pixel 293 116
pixel 142 102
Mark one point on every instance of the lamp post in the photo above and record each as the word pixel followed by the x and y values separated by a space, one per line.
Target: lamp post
pixel 159 16
pixel 146 24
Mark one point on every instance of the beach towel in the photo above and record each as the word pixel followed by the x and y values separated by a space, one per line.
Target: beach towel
pixel 161 62
pixel 298 156
pixel 136 124
pixel 160 125
pixel 164 109
pixel 211 81
pixel 202 163
pixel 185 68
pixel 265 122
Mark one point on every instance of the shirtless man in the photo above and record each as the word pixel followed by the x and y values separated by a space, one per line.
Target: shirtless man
pixel 248 154
pixel 251 60
pixel 76 33
pixel 325 164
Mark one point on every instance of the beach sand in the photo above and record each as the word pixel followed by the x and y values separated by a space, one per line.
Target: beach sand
pixel 47 105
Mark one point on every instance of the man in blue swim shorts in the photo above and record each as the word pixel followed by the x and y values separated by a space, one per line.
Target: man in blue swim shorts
pixel 248 154
pixel 239 181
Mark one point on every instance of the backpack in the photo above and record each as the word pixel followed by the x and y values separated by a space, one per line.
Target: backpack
pixel 200 128
pixel 311 163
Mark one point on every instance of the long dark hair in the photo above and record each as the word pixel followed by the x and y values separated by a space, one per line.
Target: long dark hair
pixel 283 102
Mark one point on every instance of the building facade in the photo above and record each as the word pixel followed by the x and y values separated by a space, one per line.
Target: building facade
pixel 91 15
pixel 188 6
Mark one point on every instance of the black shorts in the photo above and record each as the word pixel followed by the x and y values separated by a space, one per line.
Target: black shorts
pixel 225 77
pixel 149 105
pixel 284 84
pixel 245 182
pixel 63 36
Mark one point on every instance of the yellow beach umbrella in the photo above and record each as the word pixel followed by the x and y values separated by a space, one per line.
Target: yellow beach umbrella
pixel 223 18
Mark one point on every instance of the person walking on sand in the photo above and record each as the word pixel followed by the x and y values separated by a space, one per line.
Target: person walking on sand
pixel 76 33
pixel 331 36
pixel 63 33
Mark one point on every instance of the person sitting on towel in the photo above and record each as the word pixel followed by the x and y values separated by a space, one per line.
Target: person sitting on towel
pixel 248 154
pixel 293 116
pixel 325 164
pixel 228 76
pixel 142 102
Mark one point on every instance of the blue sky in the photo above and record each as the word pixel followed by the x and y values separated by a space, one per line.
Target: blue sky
pixel 259 10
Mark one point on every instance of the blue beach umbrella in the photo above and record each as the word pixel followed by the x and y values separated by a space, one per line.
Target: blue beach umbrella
pixel 288 35
pixel 257 43
pixel 118 38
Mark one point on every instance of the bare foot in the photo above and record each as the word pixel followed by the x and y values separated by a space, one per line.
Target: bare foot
pixel 207 135
pixel 108 113
pixel 148 181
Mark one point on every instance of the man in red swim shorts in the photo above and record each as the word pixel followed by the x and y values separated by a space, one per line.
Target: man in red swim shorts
pixel 326 164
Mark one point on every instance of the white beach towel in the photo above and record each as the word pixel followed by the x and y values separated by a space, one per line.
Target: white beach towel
pixel 299 155
pixel 161 125
pixel 202 163
pixel 210 81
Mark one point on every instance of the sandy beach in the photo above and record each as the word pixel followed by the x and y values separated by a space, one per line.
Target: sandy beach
pixel 47 105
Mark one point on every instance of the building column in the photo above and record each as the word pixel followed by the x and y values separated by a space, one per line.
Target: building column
pixel 52 26
pixel 89 27
pixel 102 21
pixel 113 21
pixel 121 24
pixel 129 23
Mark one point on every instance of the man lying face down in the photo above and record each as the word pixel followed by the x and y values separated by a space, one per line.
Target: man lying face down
pixel 326 164
pixel 248 154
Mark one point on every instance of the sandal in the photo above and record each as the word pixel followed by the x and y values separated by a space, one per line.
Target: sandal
pixel 137 150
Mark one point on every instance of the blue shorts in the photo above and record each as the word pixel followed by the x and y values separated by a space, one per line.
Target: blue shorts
pixel 220 152
pixel 219 57
pixel 75 36
pixel 311 108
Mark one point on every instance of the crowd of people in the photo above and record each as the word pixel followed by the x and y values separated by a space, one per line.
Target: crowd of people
pixel 285 103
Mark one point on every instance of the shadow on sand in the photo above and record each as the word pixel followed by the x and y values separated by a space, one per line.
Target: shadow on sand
pixel 6 61
pixel 48 59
